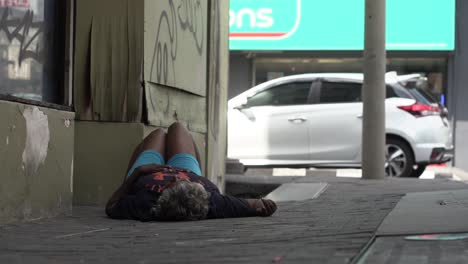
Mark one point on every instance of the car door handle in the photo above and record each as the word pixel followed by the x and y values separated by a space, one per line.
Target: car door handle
pixel 297 119
pixel 360 116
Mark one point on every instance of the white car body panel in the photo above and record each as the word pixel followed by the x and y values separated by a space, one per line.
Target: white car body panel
pixel 300 135
pixel 268 142
pixel 328 143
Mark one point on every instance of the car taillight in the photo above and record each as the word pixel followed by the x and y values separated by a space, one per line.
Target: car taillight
pixel 420 110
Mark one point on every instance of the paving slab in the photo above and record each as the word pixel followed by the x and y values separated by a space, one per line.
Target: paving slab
pixel 428 212
pixel 398 250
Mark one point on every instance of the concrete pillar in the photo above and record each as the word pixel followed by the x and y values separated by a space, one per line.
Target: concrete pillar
pixel 373 152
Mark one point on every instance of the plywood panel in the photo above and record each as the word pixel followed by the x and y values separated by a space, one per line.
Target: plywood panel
pixel 166 105
pixel 176 44
pixel 108 59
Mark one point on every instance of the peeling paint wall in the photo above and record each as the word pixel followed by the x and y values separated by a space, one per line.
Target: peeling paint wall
pixel 37 139
pixel 36 157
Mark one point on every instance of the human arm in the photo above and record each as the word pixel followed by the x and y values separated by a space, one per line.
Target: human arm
pixel 264 207
pixel 112 208
pixel 226 206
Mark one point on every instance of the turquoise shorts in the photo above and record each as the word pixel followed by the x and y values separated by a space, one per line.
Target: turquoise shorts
pixel 180 160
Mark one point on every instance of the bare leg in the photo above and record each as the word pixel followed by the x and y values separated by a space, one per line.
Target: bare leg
pixel 155 140
pixel 197 154
pixel 179 140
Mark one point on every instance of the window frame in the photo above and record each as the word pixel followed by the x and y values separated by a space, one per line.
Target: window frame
pixel 278 85
pixel 343 81
pixel 65 69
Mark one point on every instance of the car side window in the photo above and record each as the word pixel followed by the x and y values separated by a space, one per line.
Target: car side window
pixel 285 94
pixel 340 92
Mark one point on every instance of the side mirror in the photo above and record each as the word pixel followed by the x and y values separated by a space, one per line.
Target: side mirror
pixel 241 107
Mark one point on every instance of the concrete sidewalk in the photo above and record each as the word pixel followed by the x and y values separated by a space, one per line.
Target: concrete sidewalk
pixel 338 226
pixel 431 172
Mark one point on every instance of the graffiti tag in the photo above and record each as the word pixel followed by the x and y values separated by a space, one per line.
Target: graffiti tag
pixel 187 17
pixel 26 31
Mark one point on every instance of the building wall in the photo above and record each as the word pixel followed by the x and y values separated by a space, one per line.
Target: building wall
pixel 102 153
pixel 459 83
pixel 179 62
pixel 170 48
pixel 36 157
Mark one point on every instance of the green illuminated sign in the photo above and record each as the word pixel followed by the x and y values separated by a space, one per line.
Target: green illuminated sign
pixel 338 24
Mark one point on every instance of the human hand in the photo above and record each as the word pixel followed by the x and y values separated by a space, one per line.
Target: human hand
pixel 264 207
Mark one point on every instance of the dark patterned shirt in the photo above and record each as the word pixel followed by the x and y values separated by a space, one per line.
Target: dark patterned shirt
pixel 145 192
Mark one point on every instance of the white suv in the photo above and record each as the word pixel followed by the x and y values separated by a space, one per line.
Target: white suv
pixel 315 120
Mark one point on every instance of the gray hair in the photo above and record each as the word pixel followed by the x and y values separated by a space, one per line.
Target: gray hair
pixel 183 201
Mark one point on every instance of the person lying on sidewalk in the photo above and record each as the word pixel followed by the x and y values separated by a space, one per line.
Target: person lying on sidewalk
pixel 175 190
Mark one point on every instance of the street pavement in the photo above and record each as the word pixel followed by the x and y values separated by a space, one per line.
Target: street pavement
pixel 338 226
pixel 397 249
pixel 424 227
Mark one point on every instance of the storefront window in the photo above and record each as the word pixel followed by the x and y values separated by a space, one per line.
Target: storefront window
pixel 32 49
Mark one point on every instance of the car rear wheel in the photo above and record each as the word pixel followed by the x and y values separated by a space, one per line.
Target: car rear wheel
pixel 399 160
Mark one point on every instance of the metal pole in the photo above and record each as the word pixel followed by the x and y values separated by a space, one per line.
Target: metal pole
pixel 373 135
